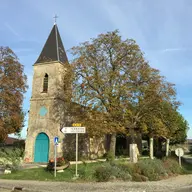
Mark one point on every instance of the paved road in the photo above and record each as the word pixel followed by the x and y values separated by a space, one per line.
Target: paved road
pixel 182 183
pixel 188 189
pixel 10 190
pixel 125 190
pixel 4 190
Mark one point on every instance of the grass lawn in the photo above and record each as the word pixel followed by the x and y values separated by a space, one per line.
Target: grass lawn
pixel 41 174
pixel 86 171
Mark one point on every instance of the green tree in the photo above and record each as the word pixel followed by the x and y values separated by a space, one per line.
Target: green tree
pixel 166 125
pixel 12 87
pixel 181 128
pixel 174 122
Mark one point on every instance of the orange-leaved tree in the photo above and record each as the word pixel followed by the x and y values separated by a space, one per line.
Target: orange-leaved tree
pixel 12 87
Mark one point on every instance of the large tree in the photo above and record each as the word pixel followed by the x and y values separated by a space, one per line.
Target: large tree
pixel 181 127
pixel 113 78
pixel 12 87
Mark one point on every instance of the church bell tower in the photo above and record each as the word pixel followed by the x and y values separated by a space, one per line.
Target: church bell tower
pixel 43 126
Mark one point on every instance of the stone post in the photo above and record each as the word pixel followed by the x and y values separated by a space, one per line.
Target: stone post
pixel 133 150
pixel 167 147
pixel 151 148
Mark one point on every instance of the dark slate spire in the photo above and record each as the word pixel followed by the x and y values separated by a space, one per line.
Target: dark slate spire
pixel 53 49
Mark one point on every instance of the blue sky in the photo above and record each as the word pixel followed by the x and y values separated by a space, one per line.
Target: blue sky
pixel 162 28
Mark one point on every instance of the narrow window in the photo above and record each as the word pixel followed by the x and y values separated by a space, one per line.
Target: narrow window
pixel 45 83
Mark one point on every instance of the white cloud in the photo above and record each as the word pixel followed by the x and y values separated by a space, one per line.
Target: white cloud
pixel 21 50
pixel 126 17
pixel 173 49
pixel 12 30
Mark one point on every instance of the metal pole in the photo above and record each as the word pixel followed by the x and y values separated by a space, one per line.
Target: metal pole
pixel 180 160
pixel 55 160
pixel 76 153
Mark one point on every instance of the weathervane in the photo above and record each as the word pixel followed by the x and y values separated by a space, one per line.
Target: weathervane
pixel 55 17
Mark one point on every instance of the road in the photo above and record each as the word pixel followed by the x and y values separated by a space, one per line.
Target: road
pixel 181 183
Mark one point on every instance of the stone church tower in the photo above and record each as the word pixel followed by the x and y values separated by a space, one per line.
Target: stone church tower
pixel 47 79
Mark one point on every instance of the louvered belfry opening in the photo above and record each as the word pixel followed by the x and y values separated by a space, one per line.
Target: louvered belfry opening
pixel 45 83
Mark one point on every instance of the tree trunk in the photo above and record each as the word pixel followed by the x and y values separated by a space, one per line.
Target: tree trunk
pixel 151 148
pixel 113 145
pixel 132 131
pixel 167 147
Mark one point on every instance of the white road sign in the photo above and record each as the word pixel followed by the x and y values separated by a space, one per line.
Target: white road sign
pixel 73 130
pixel 179 152
pixel 76 130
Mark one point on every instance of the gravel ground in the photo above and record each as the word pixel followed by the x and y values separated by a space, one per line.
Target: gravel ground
pixel 182 183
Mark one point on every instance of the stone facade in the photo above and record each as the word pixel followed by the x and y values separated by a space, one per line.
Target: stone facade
pixel 48 124
pixel 47 108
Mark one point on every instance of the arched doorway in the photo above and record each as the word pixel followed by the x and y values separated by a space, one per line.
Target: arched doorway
pixel 41 148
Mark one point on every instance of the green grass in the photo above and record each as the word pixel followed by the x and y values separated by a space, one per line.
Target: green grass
pixel 86 171
pixel 41 174
pixel 187 167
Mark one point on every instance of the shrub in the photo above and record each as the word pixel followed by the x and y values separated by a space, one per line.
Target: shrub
pixel 112 170
pixel 70 155
pixel 110 156
pixel 125 176
pixel 153 169
pixel 117 172
pixel 103 173
pixel 86 173
pixel 136 169
pixel 138 177
pixel 60 162
pixel 172 166
pixel 144 170
pixel 50 165
pixel 127 167
pixel 11 158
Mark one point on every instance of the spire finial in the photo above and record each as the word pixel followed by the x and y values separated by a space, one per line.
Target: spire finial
pixel 55 19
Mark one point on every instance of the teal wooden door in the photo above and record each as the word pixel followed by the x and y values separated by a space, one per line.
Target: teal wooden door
pixel 41 148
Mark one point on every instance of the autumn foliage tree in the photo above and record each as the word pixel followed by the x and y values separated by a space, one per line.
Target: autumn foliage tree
pixel 119 90
pixel 12 87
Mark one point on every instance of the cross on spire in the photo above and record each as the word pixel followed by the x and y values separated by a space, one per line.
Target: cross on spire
pixel 55 18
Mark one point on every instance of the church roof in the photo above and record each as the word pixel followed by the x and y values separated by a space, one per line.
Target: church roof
pixel 53 49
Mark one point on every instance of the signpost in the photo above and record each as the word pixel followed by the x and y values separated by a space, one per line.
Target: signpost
pixel 179 152
pixel 56 140
pixel 71 130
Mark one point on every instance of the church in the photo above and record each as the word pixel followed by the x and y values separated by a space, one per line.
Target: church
pixel 43 124
pixel 47 114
